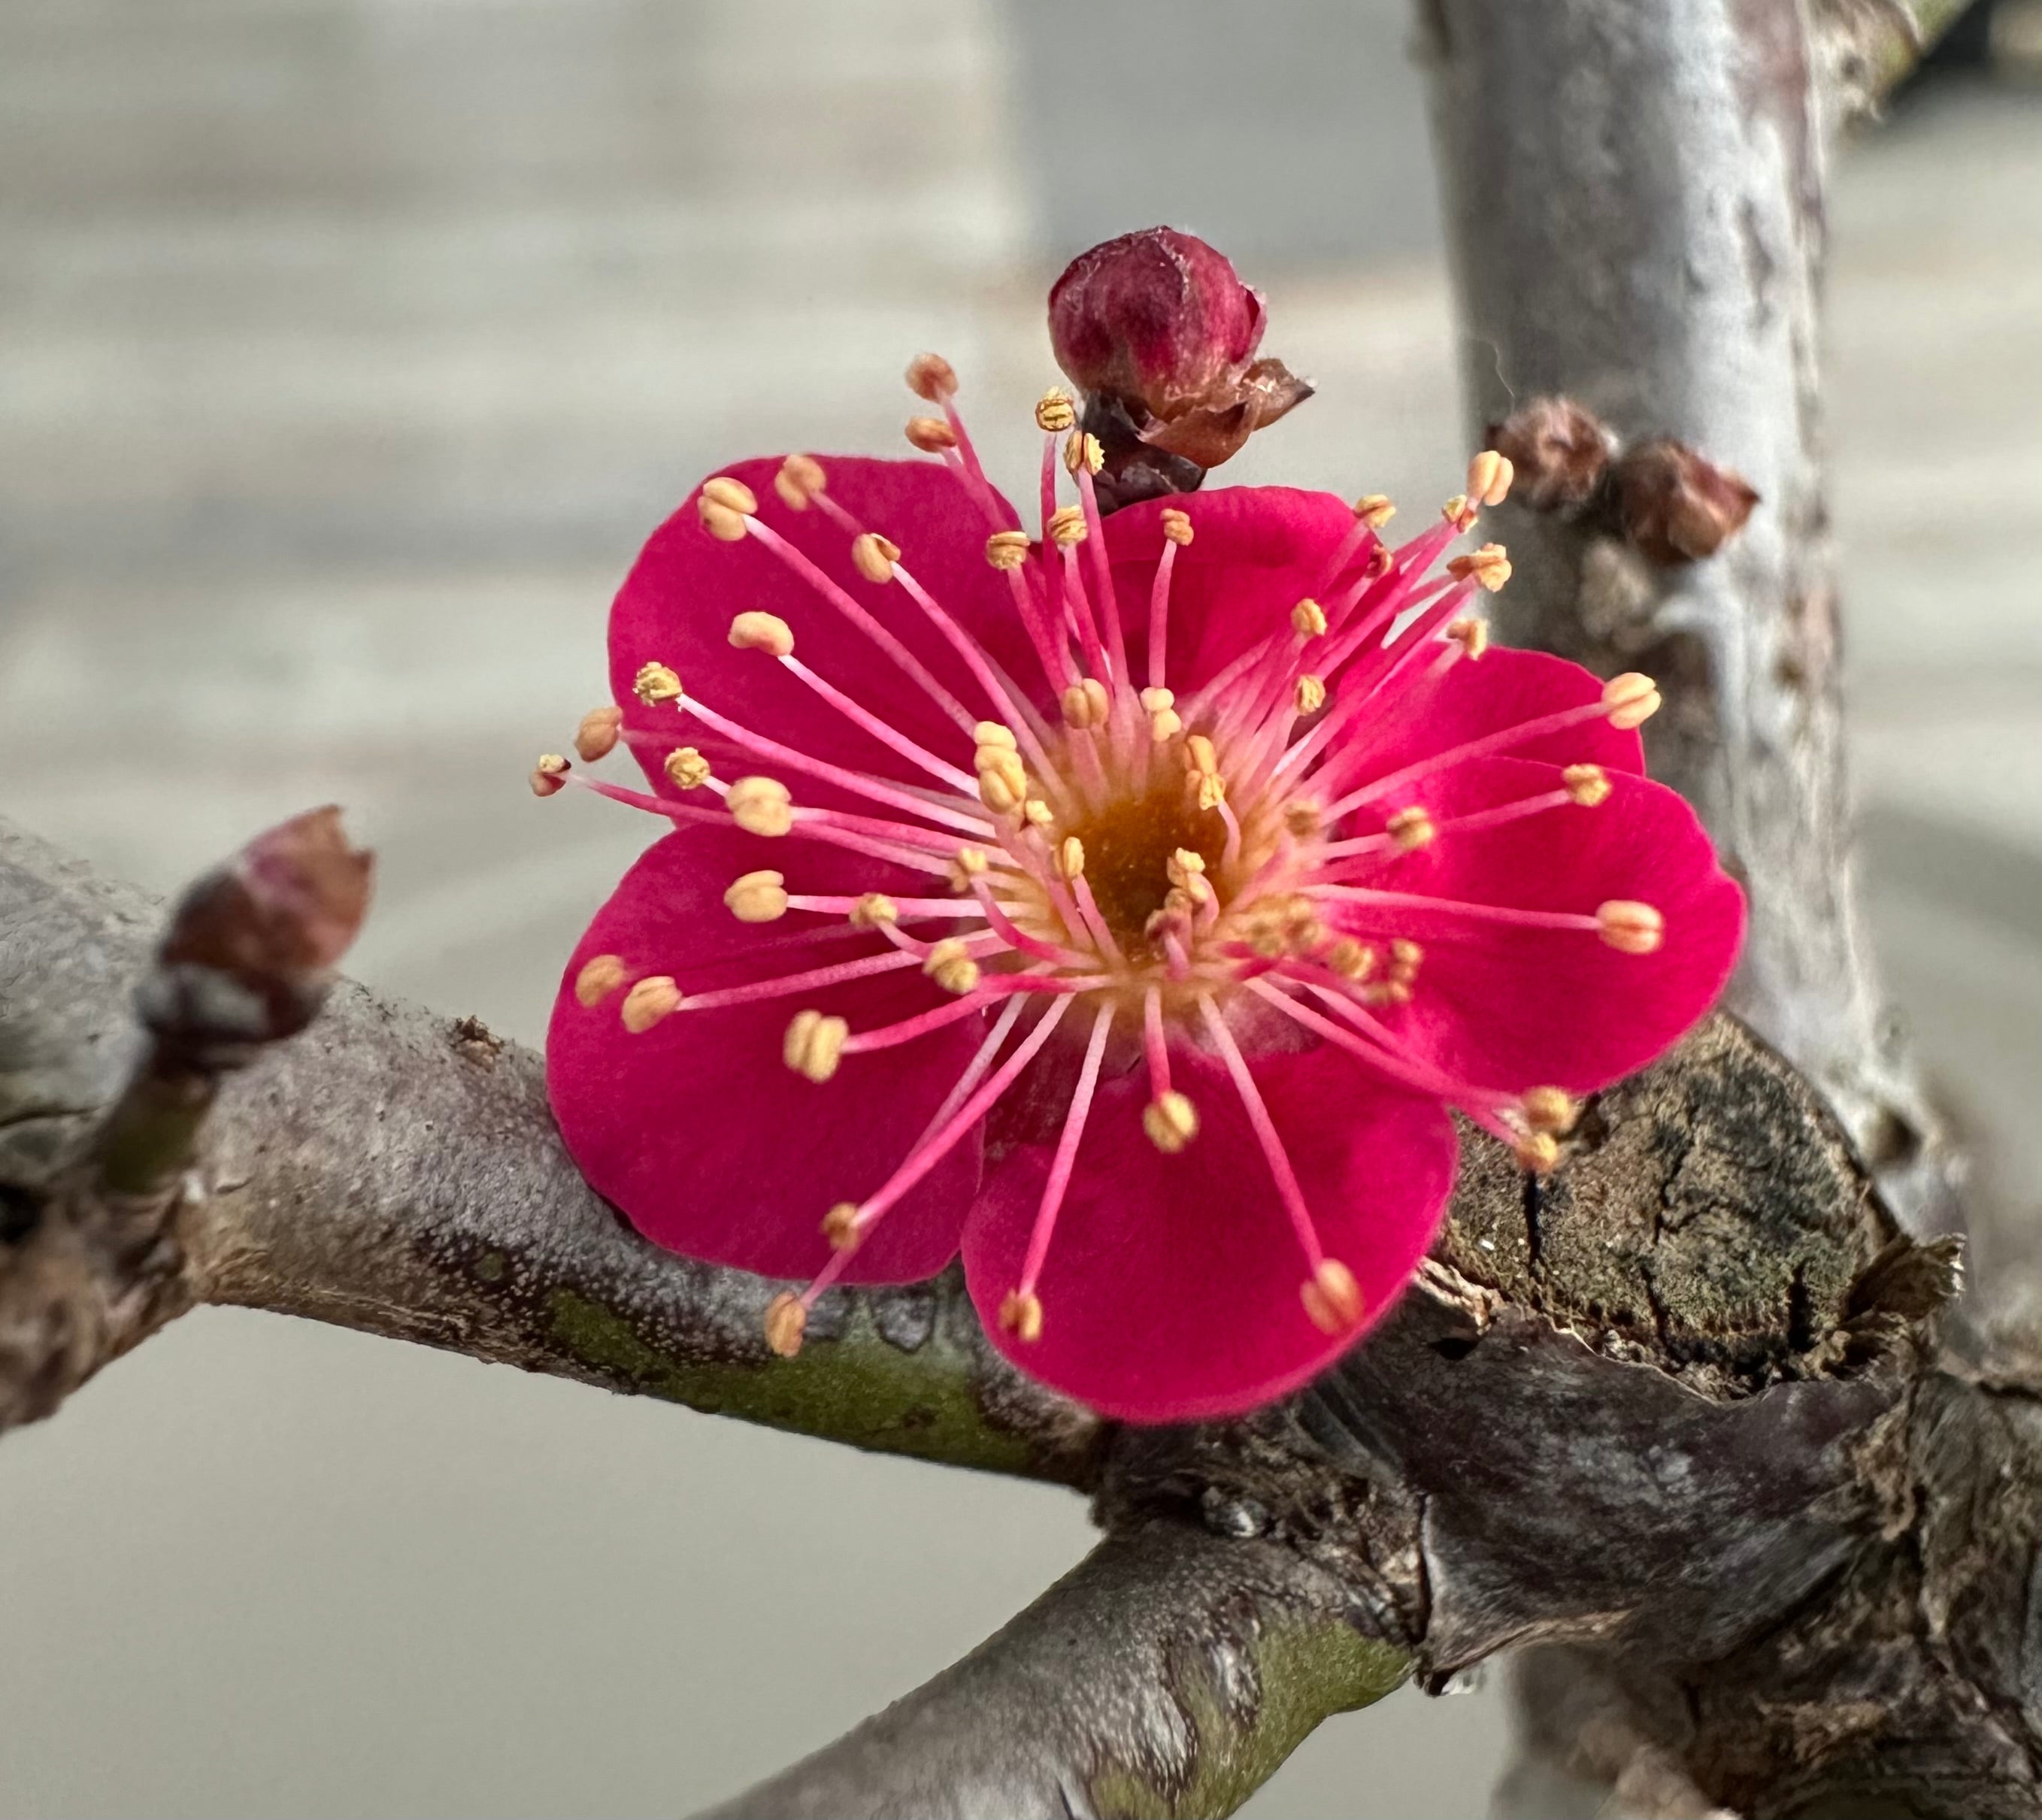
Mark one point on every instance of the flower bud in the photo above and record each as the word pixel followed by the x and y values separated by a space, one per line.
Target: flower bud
pixel 1676 506
pixel 1160 322
pixel 1558 451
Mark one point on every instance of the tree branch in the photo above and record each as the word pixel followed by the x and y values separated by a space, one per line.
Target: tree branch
pixel 398 1171
pixel 1633 193
pixel 1170 1674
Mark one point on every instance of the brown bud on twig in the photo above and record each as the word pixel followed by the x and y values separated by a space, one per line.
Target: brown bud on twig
pixel 1561 452
pixel 247 956
pixel 1159 332
pixel 1676 505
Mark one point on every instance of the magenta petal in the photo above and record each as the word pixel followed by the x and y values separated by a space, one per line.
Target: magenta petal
pixel 1170 1292
pixel 677 605
pixel 1513 1008
pixel 1255 552
pixel 698 1131
pixel 1472 699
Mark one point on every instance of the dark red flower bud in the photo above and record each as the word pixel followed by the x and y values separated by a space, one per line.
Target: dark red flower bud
pixel 1560 452
pixel 1677 506
pixel 1159 325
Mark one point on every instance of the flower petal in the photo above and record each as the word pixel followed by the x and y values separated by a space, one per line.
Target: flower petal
pixel 676 607
pixel 1255 552
pixel 1475 697
pixel 698 1131
pixel 1513 1008
pixel 1171 1289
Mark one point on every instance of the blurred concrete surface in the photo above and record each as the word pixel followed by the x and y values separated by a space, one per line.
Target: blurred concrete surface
pixel 348 351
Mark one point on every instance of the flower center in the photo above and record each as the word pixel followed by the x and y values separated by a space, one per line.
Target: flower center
pixel 1129 846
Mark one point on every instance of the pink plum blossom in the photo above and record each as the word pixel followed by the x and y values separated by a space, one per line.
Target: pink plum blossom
pixel 1124 908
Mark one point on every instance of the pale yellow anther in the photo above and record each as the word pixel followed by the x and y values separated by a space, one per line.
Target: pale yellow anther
pixel 930 435
pixel 1210 790
pixel 1199 755
pixel 1185 859
pixel 1631 928
pixel 1471 634
pixel 1171 1121
pixel 1550 1109
pixel 801 477
pixel 1390 992
pixel 1489 478
pixel 655 683
pixel 873 908
pixel 1374 510
pixel 647 1002
pixel 994 733
pixel 1588 784
pixel 600 976
pixel 760 805
pixel 549 775
pixel 1406 957
pixel 813 1044
pixel 765 631
pixel 1022 1316
pixel 1066 527
pixel 840 1226
pixel 1082 451
pixel 1309 696
pixel 932 377
pixel 720 522
pixel 1351 959
pixel 1054 412
pixel 1411 828
pixel 1164 724
pixel 1459 512
pixel 733 495
pixel 1155 701
pixel 1381 560
pixel 1186 870
pixel 1538 1152
pixel 785 1318
pixel 1036 813
pixel 1302 820
pixel 1176 524
pixel 1308 619
pixel 597 734
pixel 757 897
pixel 1002 785
pixel 1070 857
pixel 1007 549
pixel 1332 1298
pixel 1632 699
pixel 1488 567
pixel 873 556
pixel 968 864
pixel 1086 705
pixel 686 769
pixel 949 963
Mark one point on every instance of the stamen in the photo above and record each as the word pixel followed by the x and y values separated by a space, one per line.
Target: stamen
pixel 1054 412
pixel 1310 696
pixel 949 963
pixel 800 480
pixel 872 909
pixel 686 769
pixel 1550 1109
pixel 757 897
pixel 647 1002
pixel 1308 619
pixel 1587 785
pixel 549 775
pixel 1082 453
pixel 1471 634
pixel 760 805
pixel 1287 1190
pixel 1022 1316
pixel 1631 928
pixel 1171 1122
pixel 931 435
pixel 1538 1152
pixel 655 683
pixel 785 1317
pixel 1064 1160
pixel 813 1043
pixel 1410 829
pixel 763 631
pixel 1332 1298
pixel 931 377
pixel 1374 510
pixel 1489 566
pixel 873 556
pixel 1176 534
pixel 596 737
pixel 1631 699
pixel 600 976
pixel 1489 478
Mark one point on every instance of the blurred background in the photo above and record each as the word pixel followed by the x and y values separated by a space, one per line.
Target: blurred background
pixel 349 349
